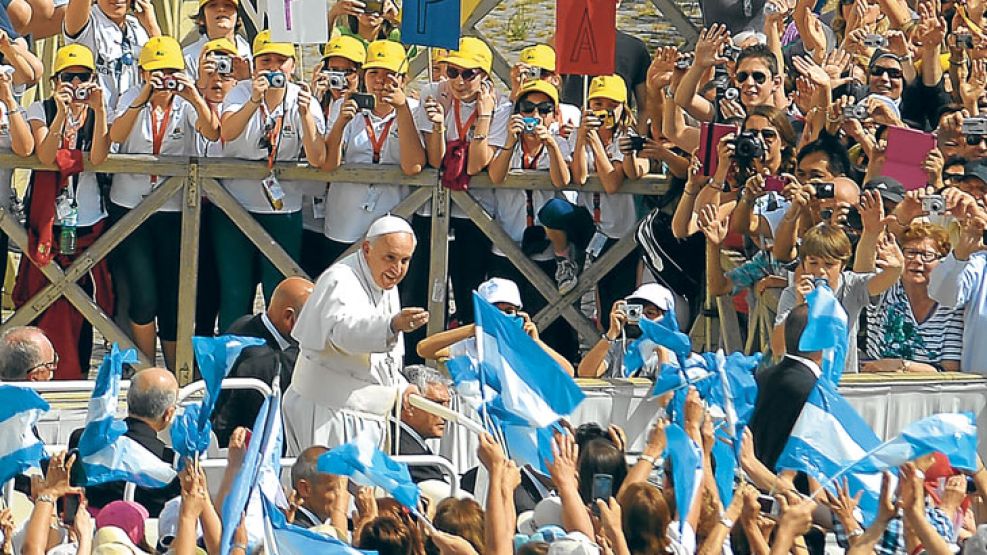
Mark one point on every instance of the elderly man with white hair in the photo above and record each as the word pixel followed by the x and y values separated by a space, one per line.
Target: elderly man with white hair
pixel 348 375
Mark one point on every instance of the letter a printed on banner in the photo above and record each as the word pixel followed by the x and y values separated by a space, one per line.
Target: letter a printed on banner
pixel 586 36
pixel 431 23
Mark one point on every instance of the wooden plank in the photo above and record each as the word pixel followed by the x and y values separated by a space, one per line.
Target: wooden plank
pixel 679 20
pixel 730 338
pixel 438 269
pixel 188 275
pixel 405 209
pixel 253 230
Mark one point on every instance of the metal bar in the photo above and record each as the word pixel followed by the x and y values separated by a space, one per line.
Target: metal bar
pixel 545 285
pixel 188 274
pixel 404 209
pixel 438 269
pixel 679 20
pixel 253 230
pixel 588 279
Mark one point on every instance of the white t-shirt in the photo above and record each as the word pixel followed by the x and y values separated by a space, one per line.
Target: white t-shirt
pixel 569 114
pixel 618 216
pixel 314 201
pixel 497 137
pixel 250 193
pixel 110 44
pixel 512 204
pixel 180 139
pixel 194 50
pixel 352 207
pixel 84 185
pixel 6 174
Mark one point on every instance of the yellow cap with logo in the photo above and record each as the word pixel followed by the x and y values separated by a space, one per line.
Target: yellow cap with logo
pixel 608 86
pixel 74 55
pixel 539 55
pixel 473 53
pixel 386 54
pixel 539 86
pixel 264 45
pixel 223 45
pixel 204 2
pixel 346 46
pixel 162 52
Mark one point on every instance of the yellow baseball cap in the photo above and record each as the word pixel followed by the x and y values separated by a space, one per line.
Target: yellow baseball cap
pixel 473 53
pixel 162 52
pixel 608 86
pixel 346 46
pixel 386 54
pixel 74 55
pixel 204 2
pixel 221 45
pixel 264 45
pixel 439 55
pixel 539 55
pixel 539 86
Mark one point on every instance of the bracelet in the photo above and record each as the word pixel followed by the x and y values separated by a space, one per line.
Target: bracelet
pixel 242 546
pixel 832 120
pixel 687 193
pixel 255 101
pixel 481 116
pixel 651 460
pixel 606 338
pixel 132 107
pixel 726 522
pixel 856 533
pixel 45 498
pixel 479 138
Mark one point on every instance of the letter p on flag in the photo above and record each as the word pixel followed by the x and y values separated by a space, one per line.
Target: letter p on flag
pixel 586 36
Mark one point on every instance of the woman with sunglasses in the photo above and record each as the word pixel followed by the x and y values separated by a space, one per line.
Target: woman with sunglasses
pixel 269 118
pixel 64 220
pixel 596 149
pixel 385 134
pixel 162 117
pixel 219 19
pixel 114 31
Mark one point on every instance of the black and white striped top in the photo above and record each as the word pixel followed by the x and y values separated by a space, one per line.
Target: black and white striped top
pixel 893 332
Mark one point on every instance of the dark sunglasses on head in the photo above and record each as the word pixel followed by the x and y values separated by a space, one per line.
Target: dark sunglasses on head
pixel 893 72
pixel 759 76
pixel 467 74
pixel 68 76
pixel 974 140
pixel 543 108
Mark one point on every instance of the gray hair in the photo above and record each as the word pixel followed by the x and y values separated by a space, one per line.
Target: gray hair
pixel 306 465
pixel 19 352
pixel 423 377
pixel 149 402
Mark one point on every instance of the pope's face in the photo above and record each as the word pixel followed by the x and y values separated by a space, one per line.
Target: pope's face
pixel 388 257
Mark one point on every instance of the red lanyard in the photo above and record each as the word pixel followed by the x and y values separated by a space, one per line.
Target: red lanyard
pixel 377 143
pixel 71 130
pixel 158 128
pixel 273 136
pixel 460 128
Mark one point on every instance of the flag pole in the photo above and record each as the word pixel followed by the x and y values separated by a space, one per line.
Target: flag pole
pixel 847 468
pixel 428 51
pixel 585 91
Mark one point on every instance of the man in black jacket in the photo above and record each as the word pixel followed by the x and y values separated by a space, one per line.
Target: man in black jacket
pixel 418 425
pixel 151 404
pixel 236 408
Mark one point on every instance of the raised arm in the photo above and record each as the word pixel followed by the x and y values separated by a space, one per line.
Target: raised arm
pixel 707 52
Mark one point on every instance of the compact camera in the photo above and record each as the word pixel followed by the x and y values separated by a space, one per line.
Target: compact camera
pixel 530 124
pixel 634 312
pixel 169 83
pixel 337 80
pixel 825 191
pixel 964 40
pixel 855 111
pixel 875 41
pixel 974 126
pixel 82 94
pixel 773 9
pixel 684 61
pixel 934 204
pixel 224 65
pixel 276 79
pixel 6 70
pixel 731 94
pixel 731 52
pixel 747 147
pixel 637 143
pixel 531 74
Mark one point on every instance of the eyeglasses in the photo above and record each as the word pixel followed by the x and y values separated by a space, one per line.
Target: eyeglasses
pixel 924 256
pixel 69 76
pixel 767 133
pixel 759 76
pixel 543 108
pixel 974 140
pixel 47 367
pixel 878 71
pixel 444 402
pixel 467 74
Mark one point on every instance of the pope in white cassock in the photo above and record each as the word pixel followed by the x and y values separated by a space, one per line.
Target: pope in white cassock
pixel 347 378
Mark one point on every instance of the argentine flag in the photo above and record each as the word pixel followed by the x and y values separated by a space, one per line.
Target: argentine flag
pixel 364 464
pixel 827 330
pixel 106 454
pixel 20 448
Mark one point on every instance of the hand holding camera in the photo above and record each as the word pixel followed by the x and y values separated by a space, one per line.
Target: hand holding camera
pixel 393 93
pixel 348 110
pixel 618 319
pixel 258 88
pixel 435 112
pixel 590 122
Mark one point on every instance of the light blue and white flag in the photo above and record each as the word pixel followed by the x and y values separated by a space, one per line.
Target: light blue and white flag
pixel 186 438
pixel 827 330
pixel 687 469
pixel 665 332
pixel 282 538
pixel 20 448
pixel 106 454
pixel 364 464
pixel 532 385
pixel 952 434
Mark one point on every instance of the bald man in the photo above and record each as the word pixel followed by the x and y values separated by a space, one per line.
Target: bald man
pixel 266 362
pixel 350 336
pixel 151 404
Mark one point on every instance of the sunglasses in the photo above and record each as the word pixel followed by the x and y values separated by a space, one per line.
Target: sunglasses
pixel 878 71
pixel 467 74
pixel 767 134
pixel 68 77
pixel 759 76
pixel 543 108
pixel 974 140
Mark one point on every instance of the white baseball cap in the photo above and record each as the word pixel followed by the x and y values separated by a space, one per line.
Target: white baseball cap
pixel 500 290
pixel 548 512
pixel 574 543
pixel 656 294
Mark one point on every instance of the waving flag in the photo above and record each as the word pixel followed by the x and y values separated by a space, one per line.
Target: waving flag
pixel 665 332
pixel 20 448
pixel 282 538
pixel 186 438
pixel 215 357
pixel 952 434
pixel 828 331
pixel 532 384
pixel 366 465
pixel 672 378
pixel 725 464
pixel 687 469
pixel 106 454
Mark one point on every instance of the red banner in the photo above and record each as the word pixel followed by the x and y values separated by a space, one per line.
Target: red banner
pixel 585 36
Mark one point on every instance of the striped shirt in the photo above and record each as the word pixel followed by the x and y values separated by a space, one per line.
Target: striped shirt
pixel 893 331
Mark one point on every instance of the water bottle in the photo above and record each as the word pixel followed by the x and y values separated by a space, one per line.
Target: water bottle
pixel 66 240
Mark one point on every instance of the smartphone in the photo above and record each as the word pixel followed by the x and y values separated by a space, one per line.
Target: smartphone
pixel 363 101
pixel 773 184
pixel 602 489
pixel 709 139
pixel 69 506
pixel 637 143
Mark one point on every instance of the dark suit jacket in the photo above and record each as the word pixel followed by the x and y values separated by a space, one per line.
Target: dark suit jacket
pixel 781 392
pixel 409 445
pixel 236 408
pixel 152 499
